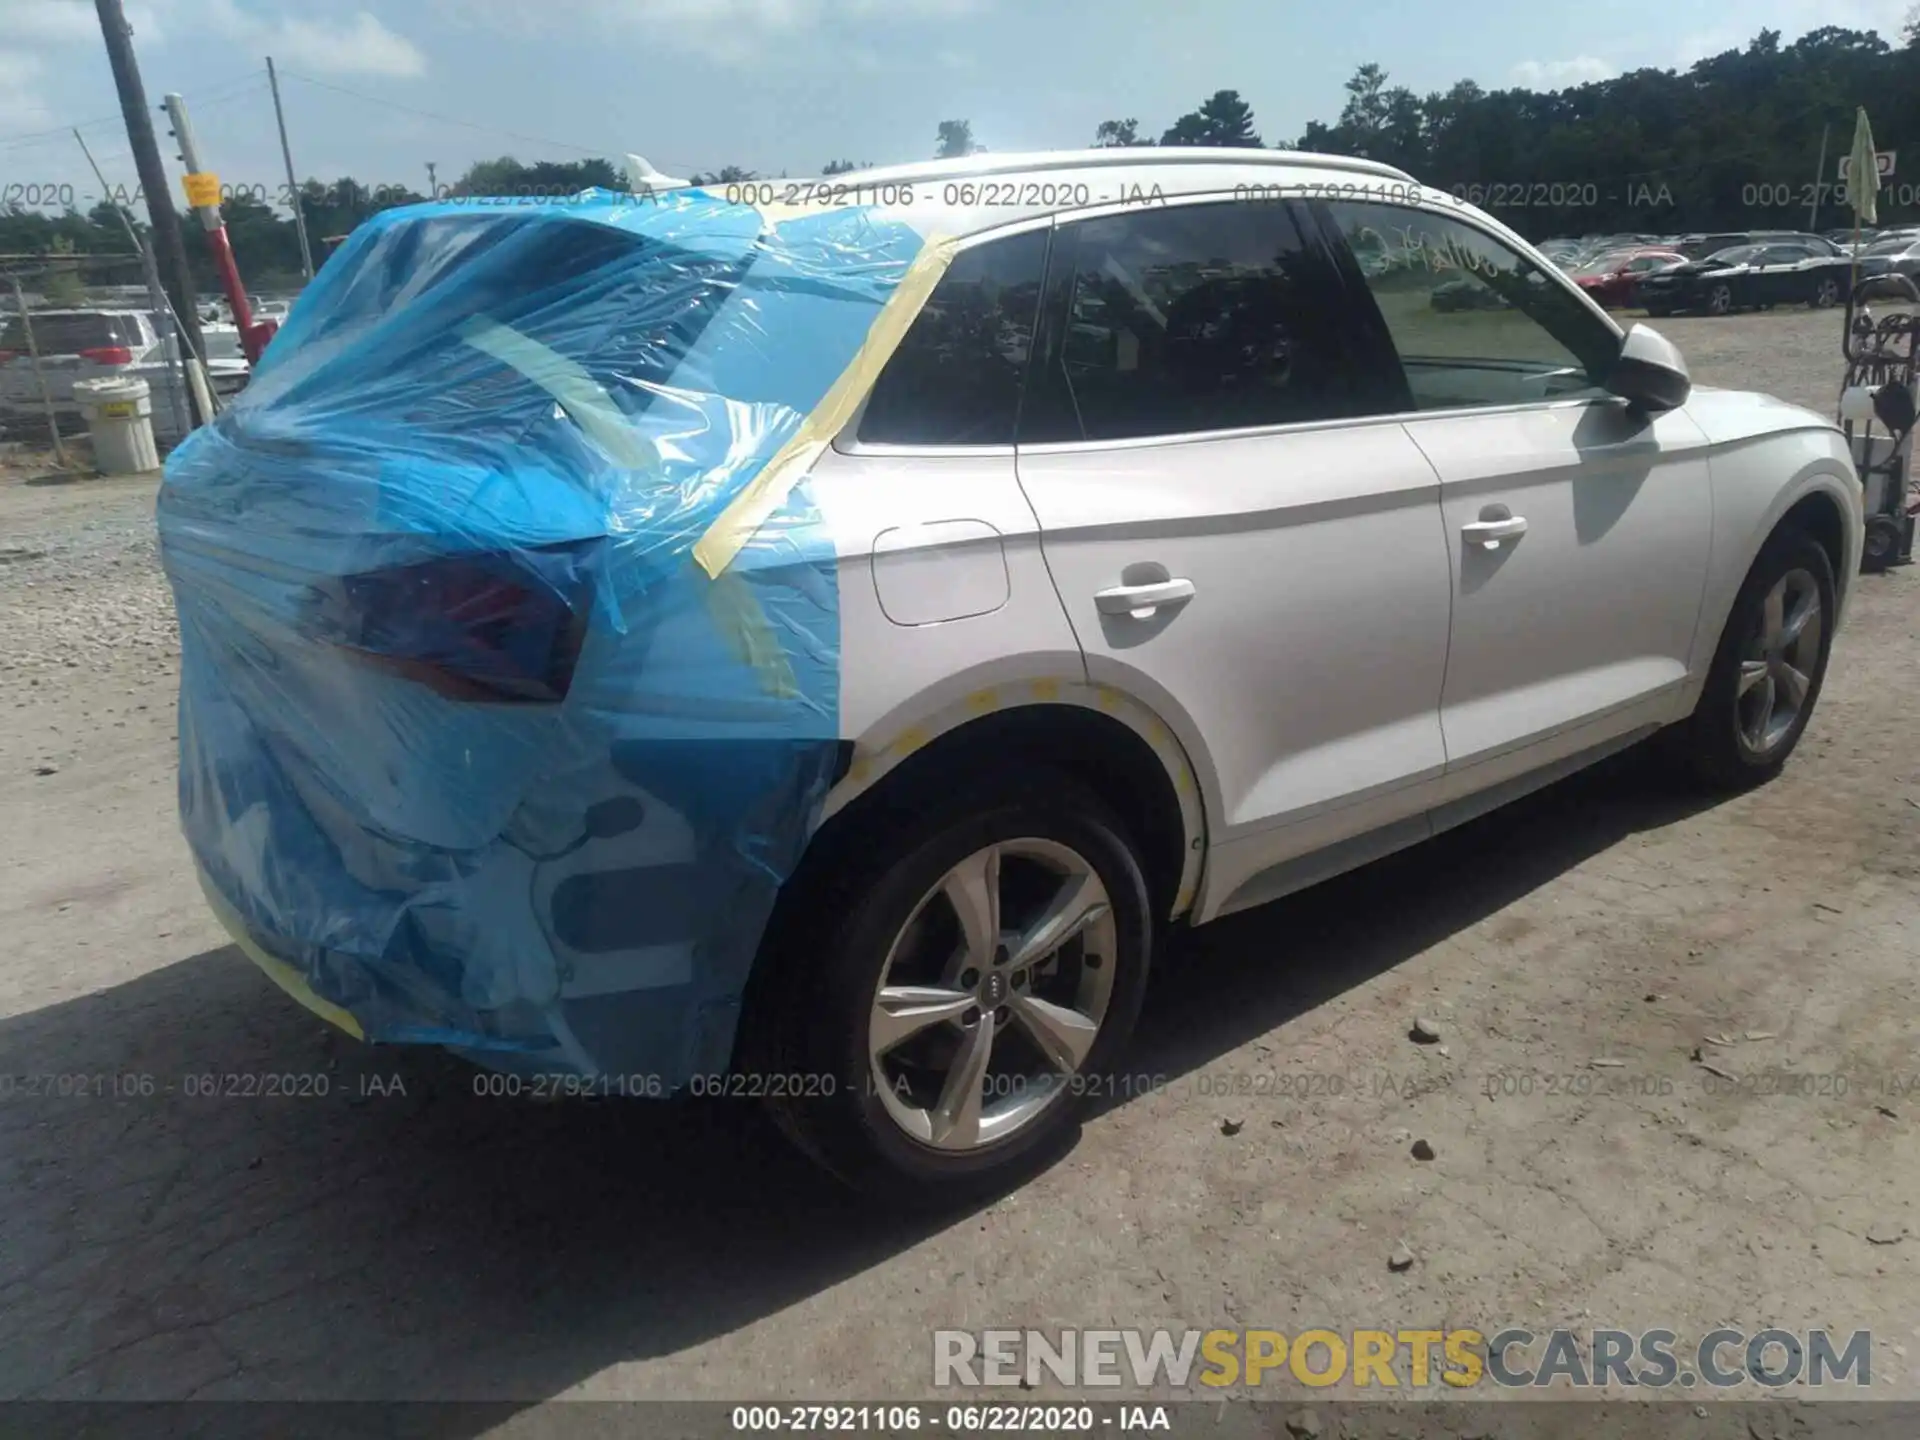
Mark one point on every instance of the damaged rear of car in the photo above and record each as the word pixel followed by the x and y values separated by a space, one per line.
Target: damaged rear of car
pixel 510 641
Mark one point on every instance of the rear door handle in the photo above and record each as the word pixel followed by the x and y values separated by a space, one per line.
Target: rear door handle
pixel 1488 534
pixel 1140 601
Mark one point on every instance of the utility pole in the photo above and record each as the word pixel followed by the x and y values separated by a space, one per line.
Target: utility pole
pixel 170 249
pixel 293 185
pixel 165 321
pixel 1819 179
pixel 203 193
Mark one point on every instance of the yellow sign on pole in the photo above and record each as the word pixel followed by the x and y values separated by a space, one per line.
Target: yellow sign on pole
pixel 203 189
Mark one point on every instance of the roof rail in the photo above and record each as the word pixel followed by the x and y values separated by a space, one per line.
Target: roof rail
pixel 990 163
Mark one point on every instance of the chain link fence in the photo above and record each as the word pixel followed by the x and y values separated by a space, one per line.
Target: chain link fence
pixel 68 318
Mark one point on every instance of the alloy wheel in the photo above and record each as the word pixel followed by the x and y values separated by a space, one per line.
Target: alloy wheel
pixel 993 994
pixel 1778 662
pixel 1720 299
pixel 1827 294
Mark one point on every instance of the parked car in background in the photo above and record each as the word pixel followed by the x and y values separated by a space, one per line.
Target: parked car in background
pixel 1897 255
pixel 1700 246
pixel 91 344
pixel 1613 280
pixel 1748 277
pixel 1172 563
pixel 1452 295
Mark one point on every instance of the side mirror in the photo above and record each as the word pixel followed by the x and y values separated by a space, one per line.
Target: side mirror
pixel 1649 373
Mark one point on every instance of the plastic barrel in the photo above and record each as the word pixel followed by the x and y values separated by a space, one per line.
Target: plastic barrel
pixel 120 421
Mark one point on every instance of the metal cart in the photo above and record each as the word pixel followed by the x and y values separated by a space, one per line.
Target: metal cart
pixel 1882 390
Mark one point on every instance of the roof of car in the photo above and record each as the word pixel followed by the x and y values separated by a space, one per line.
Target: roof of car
pixel 1142 157
pixel 959 197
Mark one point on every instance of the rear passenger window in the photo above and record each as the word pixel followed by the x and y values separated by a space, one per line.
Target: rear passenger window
pixel 1196 318
pixel 955 380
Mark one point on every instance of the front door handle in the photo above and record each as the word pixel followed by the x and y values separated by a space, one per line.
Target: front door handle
pixel 1488 534
pixel 1140 601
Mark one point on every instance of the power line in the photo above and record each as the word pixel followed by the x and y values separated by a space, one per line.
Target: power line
pixel 220 94
pixel 443 119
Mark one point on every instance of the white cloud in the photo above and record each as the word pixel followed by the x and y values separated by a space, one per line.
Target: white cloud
pixel 1792 18
pixel 51 22
pixel 362 46
pixel 1559 74
pixel 342 43
pixel 729 31
pixel 21 107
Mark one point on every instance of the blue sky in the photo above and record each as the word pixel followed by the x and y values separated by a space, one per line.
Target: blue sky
pixel 783 84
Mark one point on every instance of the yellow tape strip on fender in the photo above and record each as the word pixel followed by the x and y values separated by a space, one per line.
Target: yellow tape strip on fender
pixel 735 525
pixel 278 971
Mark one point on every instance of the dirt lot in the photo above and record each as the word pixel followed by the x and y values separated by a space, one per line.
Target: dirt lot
pixel 432 1244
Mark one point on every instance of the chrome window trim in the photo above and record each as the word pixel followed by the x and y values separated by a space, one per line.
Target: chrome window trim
pixel 1345 422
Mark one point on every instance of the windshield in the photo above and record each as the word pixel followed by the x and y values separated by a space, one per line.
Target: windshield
pixel 64 334
pixel 1898 246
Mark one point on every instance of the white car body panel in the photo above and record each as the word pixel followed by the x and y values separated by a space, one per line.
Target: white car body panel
pixel 1292 721
pixel 1346 678
pixel 1593 609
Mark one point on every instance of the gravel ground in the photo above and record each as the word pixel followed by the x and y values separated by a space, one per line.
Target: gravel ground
pixel 400 1238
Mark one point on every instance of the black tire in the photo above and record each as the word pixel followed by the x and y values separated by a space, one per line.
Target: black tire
pixel 1881 545
pixel 1720 300
pixel 1825 294
pixel 1708 744
pixel 838 940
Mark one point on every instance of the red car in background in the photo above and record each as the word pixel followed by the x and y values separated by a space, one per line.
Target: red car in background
pixel 1611 279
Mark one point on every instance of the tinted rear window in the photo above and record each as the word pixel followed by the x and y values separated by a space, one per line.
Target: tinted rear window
pixel 956 377
pixel 65 334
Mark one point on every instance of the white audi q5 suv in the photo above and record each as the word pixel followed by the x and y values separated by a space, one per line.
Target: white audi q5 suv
pixel 1221 521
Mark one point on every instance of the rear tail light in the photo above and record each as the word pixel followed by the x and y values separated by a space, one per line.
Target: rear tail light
pixel 10 355
pixel 484 627
pixel 108 355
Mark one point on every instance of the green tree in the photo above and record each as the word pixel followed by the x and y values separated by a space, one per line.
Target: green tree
pixel 1222 119
pixel 1116 133
pixel 955 139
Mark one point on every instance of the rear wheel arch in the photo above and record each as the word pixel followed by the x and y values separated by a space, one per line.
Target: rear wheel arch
pixel 1104 740
pixel 1093 736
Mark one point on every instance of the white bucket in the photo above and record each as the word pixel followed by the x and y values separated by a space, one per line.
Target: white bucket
pixel 120 421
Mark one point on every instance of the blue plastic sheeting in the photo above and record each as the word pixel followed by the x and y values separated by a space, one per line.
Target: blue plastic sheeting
pixel 467 739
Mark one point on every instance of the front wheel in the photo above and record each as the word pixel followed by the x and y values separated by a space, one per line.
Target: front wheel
pixel 1767 672
pixel 968 991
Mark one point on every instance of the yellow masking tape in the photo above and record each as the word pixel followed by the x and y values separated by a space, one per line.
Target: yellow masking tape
pixel 736 610
pixel 735 525
pixel 278 971
pixel 203 188
pixel 584 398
